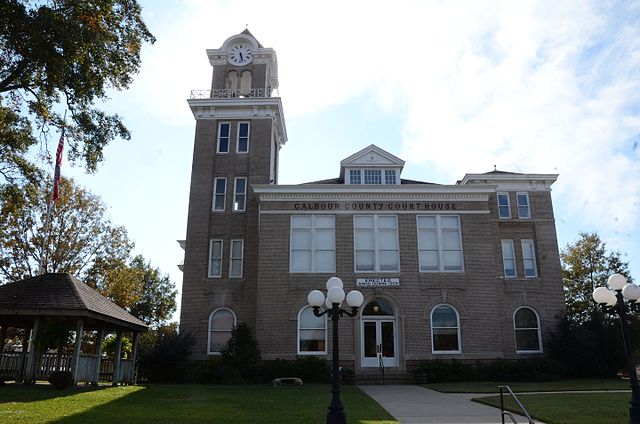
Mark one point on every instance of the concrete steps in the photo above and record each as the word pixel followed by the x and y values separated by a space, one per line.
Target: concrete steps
pixel 390 377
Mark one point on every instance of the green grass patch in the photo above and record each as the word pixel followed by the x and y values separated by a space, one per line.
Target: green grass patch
pixel 190 404
pixel 519 387
pixel 570 408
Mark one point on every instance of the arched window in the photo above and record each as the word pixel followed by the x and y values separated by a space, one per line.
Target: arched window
pixel 312 333
pixel 232 81
pixel 221 322
pixel 445 330
pixel 245 83
pixel 526 325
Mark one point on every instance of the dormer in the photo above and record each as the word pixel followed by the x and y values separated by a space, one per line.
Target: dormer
pixel 371 165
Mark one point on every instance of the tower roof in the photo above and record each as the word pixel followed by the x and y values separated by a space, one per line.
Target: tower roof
pixel 247 32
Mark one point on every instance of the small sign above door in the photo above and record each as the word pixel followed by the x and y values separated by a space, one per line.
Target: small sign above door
pixel 378 282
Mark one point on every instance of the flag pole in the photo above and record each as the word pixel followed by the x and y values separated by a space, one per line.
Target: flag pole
pixel 52 199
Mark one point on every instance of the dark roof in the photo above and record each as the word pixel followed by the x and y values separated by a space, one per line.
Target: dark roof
pixel 247 32
pixel 341 181
pixel 62 294
pixel 405 181
pixel 495 171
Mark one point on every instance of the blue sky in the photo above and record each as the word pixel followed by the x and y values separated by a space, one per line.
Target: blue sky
pixel 450 87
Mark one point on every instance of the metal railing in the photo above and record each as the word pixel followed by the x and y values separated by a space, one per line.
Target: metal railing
pixel 380 361
pixel 230 94
pixel 504 412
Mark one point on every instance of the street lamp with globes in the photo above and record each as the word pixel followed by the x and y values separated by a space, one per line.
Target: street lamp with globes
pixel 613 302
pixel 335 296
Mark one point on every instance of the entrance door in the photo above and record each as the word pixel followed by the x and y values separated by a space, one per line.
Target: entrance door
pixel 378 335
pixel 379 343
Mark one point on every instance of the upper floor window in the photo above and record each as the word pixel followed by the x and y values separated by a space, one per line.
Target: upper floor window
pixel 224 131
pixel 242 145
pixel 372 176
pixel 529 259
pixel 236 258
pixel 313 243
pixel 215 258
pixel 240 194
pixel 355 176
pixel 527 328
pixel 509 259
pixel 504 209
pixel 219 193
pixel 312 333
pixel 445 330
pixel 376 243
pixel 439 243
pixel 390 176
pixel 221 323
pixel 524 211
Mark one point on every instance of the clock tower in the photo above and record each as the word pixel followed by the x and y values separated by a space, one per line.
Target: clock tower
pixel 239 131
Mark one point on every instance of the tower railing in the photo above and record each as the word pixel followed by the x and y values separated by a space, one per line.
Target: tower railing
pixel 230 94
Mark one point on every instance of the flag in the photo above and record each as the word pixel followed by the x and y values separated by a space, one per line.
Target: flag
pixel 56 175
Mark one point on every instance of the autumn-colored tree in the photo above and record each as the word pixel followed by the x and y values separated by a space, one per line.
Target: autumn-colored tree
pixel 75 236
pixel 586 264
pixel 60 55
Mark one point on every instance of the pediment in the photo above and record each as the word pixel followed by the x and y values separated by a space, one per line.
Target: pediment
pixel 372 156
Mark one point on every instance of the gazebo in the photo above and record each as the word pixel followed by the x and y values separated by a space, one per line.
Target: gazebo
pixel 69 303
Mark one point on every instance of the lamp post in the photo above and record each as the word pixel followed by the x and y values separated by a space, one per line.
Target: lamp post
pixel 613 302
pixel 335 296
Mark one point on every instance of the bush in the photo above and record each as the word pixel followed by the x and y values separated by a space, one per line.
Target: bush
pixel 241 351
pixel 312 369
pixel 499 370
pixel 60 379
pixel 163 355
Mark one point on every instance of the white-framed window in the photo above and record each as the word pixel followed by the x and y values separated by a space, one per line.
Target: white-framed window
pixel 529 259
pixel 313 243
pixel 526 325
pixel 390 176
pixel 376 243
pixel 215 258
pixel 373 176
pixel 355 176
pixel 445 329
pixel 221 324
pixel 224 132
pixel 219 193
pixel 236 258
pixel 439 243
pixel 524 210
pixel 312 333
pixel 239 194
pixel 504 208
pixel 242 143
pixel 509 259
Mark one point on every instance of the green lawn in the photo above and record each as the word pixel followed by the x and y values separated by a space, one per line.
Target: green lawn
pixel 179 404
pixel 562 385
pixel 571 408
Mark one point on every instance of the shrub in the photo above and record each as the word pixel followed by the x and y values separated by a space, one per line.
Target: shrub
pixel 241 351
pixel 163 355
pixel 439 371
pixel 60 379
pixel 312 369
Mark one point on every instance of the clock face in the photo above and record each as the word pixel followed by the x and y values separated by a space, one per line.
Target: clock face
pixel 240 54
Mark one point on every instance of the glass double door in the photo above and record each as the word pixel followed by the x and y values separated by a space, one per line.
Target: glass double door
pixel 379 343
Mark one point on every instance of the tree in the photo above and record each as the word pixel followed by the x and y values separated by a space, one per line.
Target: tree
pixel 64 54
pixel 77 238
pixel 586 264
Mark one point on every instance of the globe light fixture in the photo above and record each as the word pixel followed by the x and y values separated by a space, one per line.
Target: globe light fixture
pixel 621 299
pixel 335 297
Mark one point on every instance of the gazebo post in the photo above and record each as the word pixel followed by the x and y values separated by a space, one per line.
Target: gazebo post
pixel 77 347
pixel 3 336
pixel 134 354
pixel 99 340
pixel 30 370
pixel 117 359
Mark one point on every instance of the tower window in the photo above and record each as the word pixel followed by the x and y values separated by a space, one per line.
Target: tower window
pixel 223 137
pixel 219 193
pixel 524 211
pixel 242 145
pixel 215 258
pixel 236 258
pixel 509 259
pixel 240 194
pixel 504 210
pixel 245 83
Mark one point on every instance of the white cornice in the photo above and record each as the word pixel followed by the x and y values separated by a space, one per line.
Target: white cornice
pixel 535 182
pixel 313 192
pixel 256 107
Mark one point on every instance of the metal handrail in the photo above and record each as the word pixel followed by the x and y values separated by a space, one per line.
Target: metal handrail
pixel 520 405
pixel 229 93
pixel 380 362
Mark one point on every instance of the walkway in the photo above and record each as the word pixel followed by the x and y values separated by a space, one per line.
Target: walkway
pixel 417 405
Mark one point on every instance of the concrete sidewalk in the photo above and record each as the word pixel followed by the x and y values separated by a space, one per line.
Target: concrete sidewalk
pixel 417 405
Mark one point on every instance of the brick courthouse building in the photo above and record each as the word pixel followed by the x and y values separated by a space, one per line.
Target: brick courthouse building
pixel 468 271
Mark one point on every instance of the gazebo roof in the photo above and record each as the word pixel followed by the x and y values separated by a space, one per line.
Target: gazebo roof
pixel 61 295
